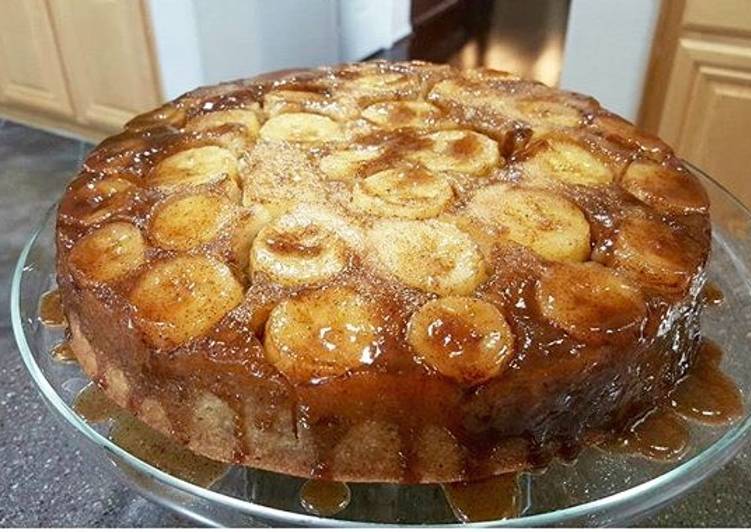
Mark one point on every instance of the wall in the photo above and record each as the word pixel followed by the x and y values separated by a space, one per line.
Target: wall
pixel 201 42
pixel 607 49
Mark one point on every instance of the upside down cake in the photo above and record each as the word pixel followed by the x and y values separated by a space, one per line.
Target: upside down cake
pixel 396 272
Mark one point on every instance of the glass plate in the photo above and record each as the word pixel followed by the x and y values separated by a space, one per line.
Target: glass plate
pixel 599 489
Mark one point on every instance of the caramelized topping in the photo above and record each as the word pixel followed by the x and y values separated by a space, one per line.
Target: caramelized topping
pixel 322 334
pixel 51 312
pixel 463 338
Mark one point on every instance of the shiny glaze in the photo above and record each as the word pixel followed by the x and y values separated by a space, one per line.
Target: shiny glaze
pixel 51 312
pixel 324 497
pixel 486 500
pixel 539 398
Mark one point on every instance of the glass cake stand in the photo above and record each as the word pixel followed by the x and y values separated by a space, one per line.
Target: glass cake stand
pixel 599 489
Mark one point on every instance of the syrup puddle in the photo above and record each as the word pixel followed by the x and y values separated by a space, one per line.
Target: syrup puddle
pixel 706 394
pixel 146 443
pixel 660 435
pixel 63 353
pixel 51 309
pixel 324 497
pixel 486 500
pixel 712 295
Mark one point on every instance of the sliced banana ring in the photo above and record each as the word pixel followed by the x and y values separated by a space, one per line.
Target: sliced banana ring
pixel 377 85
pixel 665 188
pixel 292 101
pixel 545 222
pixel 182 223
pixel 195 166
pixel 429 255
pixel 108 253
pixel 399 114
pixel 305 246
pixel 404 193
pixel 460 151
pixel 322 334
pixel 589 301
pixel 101 199
pixel 345 165
pixel 464 338
pixel 244 117
pixel 569 162
pixel 548 114
pixel 301 127
pixel 653 252
pixel 183 297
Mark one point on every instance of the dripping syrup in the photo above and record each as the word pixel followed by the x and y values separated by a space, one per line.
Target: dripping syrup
pixel 144 442
pixel 706 394
pixel 491 499
pixel 62 352
pixel 324 497
pixel 712 295
pixel 660 435
pixel 51 309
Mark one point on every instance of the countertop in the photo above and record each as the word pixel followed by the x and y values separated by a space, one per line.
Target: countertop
pixel 45 481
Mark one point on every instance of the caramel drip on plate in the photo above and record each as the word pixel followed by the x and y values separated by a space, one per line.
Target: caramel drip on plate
pixel 63 353
pixel 712 295
pixel 706 394
pixel 324 497
pixel 51 309
pixel 660 435
pixel 486 500
pixel 95 407
pixel 144 442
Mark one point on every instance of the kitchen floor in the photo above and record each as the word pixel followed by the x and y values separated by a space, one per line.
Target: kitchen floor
pixel 46 481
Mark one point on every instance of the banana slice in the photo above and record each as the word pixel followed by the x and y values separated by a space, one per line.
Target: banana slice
pixel 548 114
pixel 306 246
pixel 590 302
pixel 195 166
pixel 404 193
pixel 625 133
pixel 345 165
pixel 183 297
pixel 548 224
pixel 464 338
pixel 102 199
pixel 244 117
pixel 460 151
pixel 245 229
pixel 369 84
pixel 566 161
pixel 429 255
pixel 293 101
pixel 665 188
pixel 108 253
pixel 322 334
pixel 182 223
pixel 399 114
pixel 167 115
pixel 653 252
pixel 301 127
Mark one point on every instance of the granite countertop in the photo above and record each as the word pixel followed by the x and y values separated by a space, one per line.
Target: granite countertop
pixel 46 481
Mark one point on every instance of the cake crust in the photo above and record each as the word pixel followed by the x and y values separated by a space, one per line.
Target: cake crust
pixel 383 272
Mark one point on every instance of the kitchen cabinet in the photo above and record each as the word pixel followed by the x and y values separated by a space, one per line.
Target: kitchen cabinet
pixel 698 95
pixel 85 66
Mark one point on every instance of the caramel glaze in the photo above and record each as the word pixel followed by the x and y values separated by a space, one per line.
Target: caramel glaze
pixel 712 294
pixel 555 391
pixel 487 500
pixel 324 497
pixel 51 312
pixel 62 352
pixel 144 442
